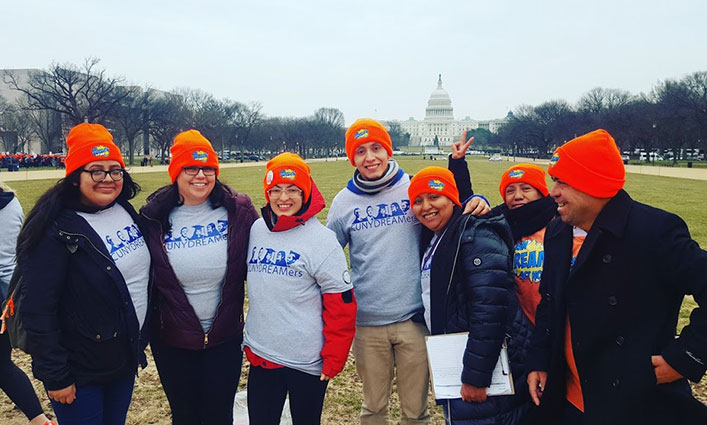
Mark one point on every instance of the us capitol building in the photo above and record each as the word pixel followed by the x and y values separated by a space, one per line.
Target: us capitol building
pixel 439 121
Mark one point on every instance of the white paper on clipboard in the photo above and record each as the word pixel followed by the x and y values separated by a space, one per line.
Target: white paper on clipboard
pixel 445 354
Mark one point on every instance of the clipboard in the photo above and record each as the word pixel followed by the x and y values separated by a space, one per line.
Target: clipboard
pixel 445 359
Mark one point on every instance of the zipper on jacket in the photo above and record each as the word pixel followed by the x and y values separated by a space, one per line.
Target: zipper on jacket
pixel 164 251
pixel 89 241
pixel 137 355
pixel 451 275
pixel 223 285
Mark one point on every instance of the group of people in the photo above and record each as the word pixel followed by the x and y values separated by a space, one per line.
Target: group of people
pixel 582 285
pixel 13 162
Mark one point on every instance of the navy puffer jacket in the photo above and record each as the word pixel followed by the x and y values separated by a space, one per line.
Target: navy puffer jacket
pixel 472 290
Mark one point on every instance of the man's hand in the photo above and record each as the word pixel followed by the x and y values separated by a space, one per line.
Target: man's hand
pixel 664 373
pixel 65 395
pixel 459 148
pixel 477 206
pixel 471 393
pixel 536 384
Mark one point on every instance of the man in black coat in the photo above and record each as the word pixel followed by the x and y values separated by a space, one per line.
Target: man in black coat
pixel 604 349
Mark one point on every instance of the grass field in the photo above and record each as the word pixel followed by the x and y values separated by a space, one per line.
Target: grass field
pixel 343 401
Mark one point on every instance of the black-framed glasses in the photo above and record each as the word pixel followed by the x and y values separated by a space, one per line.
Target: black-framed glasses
pixel 291 192
pixel 192 171
pixel 98 176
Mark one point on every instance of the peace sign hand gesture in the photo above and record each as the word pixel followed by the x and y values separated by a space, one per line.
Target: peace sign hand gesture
pixel 459 148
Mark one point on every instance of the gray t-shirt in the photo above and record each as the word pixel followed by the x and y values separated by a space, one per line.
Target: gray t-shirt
pixel 197 248
pixel 128 249
pixel 11 218
pixel 287 274
pixel 384 238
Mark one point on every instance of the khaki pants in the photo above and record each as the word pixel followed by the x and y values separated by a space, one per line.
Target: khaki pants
pixel 382 352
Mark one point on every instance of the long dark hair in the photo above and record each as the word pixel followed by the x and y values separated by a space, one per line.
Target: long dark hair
pixel 64 194
pixel 167 198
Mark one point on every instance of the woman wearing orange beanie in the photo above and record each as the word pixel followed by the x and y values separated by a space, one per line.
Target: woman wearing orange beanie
pixel 197 231
pixel 528 209
pixel 467 287
pixel 85 269
pixel 297 338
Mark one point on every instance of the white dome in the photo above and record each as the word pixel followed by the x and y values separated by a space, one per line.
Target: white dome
pixel 439 106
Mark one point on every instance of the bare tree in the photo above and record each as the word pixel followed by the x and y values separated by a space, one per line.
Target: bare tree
pixel 84 94
pixel 246 117
pixel 16 128
pixel 131 116
pixel 168 116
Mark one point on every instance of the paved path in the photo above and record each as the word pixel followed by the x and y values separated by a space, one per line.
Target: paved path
pixel 28 174
pixel 678 172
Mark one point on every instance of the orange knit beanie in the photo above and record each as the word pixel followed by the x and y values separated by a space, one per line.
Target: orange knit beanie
pixel 366 130
pixel 590 163
pixel 191 149
pixel 288 168
pixel 88 143
pixel 524 173
pixel 434 180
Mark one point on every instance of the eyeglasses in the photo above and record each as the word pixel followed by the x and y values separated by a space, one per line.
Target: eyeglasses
pixel 192 171
pixel 98 176
pixel 291 192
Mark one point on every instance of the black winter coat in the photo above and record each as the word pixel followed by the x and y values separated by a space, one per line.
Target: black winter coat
pixel 623 296
pixel 472 290
pixel 81 325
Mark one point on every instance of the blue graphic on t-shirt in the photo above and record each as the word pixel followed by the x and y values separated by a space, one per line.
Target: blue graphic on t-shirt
pixel 272 261
pixel 124 241
pixel 378 215
pixel 196 235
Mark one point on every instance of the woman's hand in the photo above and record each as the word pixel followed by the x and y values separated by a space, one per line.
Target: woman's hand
pixel 476 206
pixel 324 377
pixel 65 395
pixel 459 148
pixel 471 393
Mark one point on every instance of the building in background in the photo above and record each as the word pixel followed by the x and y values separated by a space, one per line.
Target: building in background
pixel 439 122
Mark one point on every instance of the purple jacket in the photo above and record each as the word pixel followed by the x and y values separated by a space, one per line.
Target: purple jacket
pixel 174 321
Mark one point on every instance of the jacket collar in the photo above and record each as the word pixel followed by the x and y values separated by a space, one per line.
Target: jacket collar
pixel 70 225
pixel 151 208
pixel 614 216
pixel 611 219
pixel 309 209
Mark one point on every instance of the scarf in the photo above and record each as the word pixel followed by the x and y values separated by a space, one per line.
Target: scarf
pixel 361 186
pixel 531 217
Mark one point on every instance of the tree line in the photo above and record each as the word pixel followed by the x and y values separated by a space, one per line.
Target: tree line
pixel 146 120
pixel 672 116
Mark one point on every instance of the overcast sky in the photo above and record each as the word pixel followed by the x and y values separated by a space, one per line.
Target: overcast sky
pixel 368 58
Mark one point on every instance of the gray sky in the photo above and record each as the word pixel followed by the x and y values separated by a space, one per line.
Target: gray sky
pixel 368 58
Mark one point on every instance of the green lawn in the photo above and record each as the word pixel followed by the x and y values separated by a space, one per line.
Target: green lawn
pixel 680 196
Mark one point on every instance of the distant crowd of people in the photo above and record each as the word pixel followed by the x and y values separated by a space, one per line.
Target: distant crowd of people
pixel 15 161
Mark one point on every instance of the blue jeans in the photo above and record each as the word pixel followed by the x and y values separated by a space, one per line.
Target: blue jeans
pixel 105 404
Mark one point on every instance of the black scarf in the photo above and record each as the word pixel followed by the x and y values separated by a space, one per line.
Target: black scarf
pixel 531 217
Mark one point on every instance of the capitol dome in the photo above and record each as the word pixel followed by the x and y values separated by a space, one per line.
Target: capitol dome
pixel 439 106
